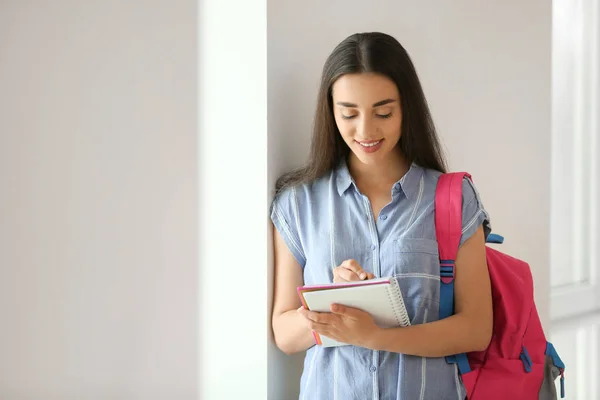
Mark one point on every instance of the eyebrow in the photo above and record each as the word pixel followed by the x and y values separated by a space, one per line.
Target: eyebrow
pixel 378 104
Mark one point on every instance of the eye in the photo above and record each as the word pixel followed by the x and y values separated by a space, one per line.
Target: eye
pixel 384 116
pixel 348 116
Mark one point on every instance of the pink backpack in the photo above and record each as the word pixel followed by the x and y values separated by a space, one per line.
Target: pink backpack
pixel 519 362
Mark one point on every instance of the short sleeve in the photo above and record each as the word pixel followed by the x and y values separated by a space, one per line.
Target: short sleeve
pixel 284 214
pixel 473 212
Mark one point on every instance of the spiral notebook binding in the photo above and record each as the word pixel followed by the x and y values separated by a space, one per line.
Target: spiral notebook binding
pixel 397 302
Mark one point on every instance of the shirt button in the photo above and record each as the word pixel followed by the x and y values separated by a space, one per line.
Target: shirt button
pixel 383 217
pixel 397 186
pixel 373 368
pixel 373 247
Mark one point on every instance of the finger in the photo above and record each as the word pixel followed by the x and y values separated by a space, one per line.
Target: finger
pixel 345 311
pixel 321 318
pixel 330 331
pixel 303 311
pixel 346 275
pixel 370 275
pixel 321 329
pixel 352 265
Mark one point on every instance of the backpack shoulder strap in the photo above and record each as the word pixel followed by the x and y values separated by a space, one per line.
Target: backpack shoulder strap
pixel 448 217
pixel 448 228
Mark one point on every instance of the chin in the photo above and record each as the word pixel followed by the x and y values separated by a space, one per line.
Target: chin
pixel 373 158
pixel 368 159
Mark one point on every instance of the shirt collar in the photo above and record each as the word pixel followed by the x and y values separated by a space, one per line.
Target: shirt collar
pixel 343 179
pixel 411 181
pixel 408 184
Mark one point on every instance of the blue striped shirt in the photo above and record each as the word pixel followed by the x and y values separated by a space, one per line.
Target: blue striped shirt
pixel 328 221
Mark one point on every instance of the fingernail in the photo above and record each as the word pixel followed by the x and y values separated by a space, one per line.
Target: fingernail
pixel 363 275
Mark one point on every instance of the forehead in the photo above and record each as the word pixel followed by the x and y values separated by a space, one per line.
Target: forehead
pixel 364 89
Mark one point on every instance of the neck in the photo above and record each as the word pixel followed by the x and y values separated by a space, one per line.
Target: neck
pixel 383 174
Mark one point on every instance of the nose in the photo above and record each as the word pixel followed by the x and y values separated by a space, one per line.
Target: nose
pixel 365 128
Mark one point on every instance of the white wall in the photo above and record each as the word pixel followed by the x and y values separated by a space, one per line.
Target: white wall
pixel 233 199
pixel 575 159
pixel 485 67
pixel 98 200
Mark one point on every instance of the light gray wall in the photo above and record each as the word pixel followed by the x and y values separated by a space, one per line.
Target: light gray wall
pixel 98 200
pixel 485 68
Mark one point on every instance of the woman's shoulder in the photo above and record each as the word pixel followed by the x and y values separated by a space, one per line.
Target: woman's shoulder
pixel 307 192
pixel 432 177
pixel 472 204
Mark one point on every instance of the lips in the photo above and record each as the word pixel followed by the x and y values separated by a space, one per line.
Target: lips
pixel 370 146
pixel 370 143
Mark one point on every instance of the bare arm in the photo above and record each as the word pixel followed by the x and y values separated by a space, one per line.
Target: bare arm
pixel 290 329
pixel 469 329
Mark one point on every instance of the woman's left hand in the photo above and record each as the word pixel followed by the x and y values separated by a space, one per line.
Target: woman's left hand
pixel 344 324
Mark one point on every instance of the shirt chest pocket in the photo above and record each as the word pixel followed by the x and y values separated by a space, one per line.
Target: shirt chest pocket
pixel 415 264
pixel 412 256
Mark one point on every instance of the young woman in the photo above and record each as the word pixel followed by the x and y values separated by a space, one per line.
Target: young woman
pixel 363 207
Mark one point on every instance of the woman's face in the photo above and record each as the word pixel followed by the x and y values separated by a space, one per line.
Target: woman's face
pixel 368 115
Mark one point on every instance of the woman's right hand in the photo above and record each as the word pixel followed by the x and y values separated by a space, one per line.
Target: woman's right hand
pixel 350 271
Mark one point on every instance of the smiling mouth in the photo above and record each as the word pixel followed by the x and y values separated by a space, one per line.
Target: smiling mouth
pixel 370 144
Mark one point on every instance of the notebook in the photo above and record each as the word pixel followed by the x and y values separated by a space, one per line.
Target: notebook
pixel 379 297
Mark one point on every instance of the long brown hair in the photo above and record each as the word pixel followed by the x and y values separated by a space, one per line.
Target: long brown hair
pixel 376 53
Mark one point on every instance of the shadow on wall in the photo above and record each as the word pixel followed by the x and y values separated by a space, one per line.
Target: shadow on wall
pixel 289 123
